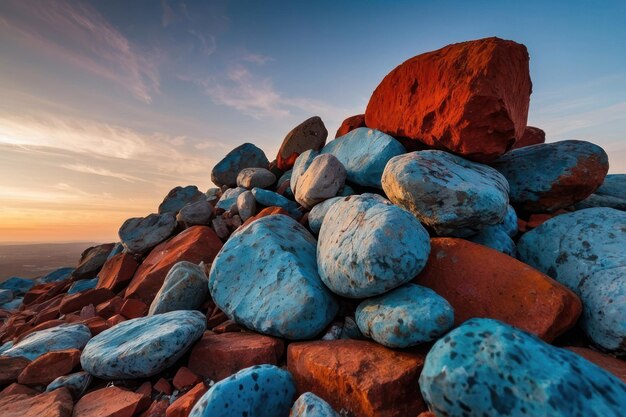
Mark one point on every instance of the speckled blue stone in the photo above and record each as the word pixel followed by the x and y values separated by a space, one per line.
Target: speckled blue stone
pixel 56 275
pixel 83 285
pixel 142 347
pixel 65 336
pixel 406 316
pixel 496 238
pixel 612 193
pixel 17 285
pixel 310 405
pixel 367 246
pixel 258 391
pixel 229 198
pixel 77 383
pixel 270 198
pixel 185 288
pixel 243 156
pixel 445 191
pixel 487 368
pixel 586 251
pixel 549 176
pixel 364 153
pixel 265 278
pixel 318 212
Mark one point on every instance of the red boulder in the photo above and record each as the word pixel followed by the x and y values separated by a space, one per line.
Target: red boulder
pixel 532 136
pixel 50 366
pixel 111 402
pixel 57 403
pixel 351 123
pixel 117 272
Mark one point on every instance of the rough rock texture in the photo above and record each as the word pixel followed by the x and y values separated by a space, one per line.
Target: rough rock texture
pixel 36 344
pixel 186 287
pixel 551 176
pixel 91 260
pixel 446 192
pixel 481 282
pixel 183 404
pixel 196 213
pixel 49 404
pixel 255 177
pixel 310 405
pixel 406 316
pixel 111 402
pixel 140 234
pixel 50 366
pixel 117 272
pixel 229 198
pixel 271 199
pixel 612 193
pixel 142 347
pixel 179 197
pixel 351 123
pixel 11 367
pixel 364 378
pixel 323 179
pixel 196 244
pixel 259 391
pixel 586 251
pixel 532 136
pixel 265 278
pixel 485 367
pixel 310 134
pixel 392 247
pixel 243 156
pixel 77 383
pixel 364 153
pixel 75 302
pixel 469 98
pixel 609 363
pixel 217 356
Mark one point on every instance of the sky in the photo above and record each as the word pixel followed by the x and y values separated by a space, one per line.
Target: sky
pixel 107 105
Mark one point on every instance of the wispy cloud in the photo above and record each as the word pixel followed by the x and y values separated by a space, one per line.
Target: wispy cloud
pixel 78 34
pixel 103 172
pixel 257 58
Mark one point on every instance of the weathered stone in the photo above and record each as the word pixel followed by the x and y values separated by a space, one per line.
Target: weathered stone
pixel 75 302
pixel 57 275
pixel 271 199
pixel 323 179
pixel 259 391
pixel 185 378
pixel 310 134
pixel 612 193
pixel 133 309
pixel 50 366
pixel 77 383
pixel 547 177
pixel 246 205
pixel 5 296
pixel 196 213
pixel 255 177
pixel 18 389
pixel 265 278
pixel 186 287
pixel 349 124
pixel 392 247
pixel 300 166
pixel 217 356
pixel 91 261
pixel 532 136
pixel 445 191
pixel 470 98
pixel 586 251
pixel 179 197
pixel 19 286
pixel 142 347
pixel 243 156
pixel 111 402
pixel 36 344
pixel 196 244
pixel 229 198
pixel 486 367
pixel 183 405
pixel 140 234
pixel 49 404
pixel 83 285
pixel 117 272
pixel 11 367
pixel 310 405
pixel 363 378
pixel 481 282
pixel 318 212
pixel 364 153
pixel 406 316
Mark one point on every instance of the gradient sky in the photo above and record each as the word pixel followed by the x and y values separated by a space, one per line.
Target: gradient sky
pixel 106 105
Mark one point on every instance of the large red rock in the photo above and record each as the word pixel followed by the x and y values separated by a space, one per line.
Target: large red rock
pixel 75 302
pixel 17 389
pixel 470 98
pixel 218 356
pixel 117 272
pixel 351 123
pixel 156 409
pixel 532 136
pixel 481 282
pixel 196 244
pixel 10 368
pixel 49 366
pixel 364 378
pixel 57 403
pixel 111 402
pixel 183 404
pixel 609 363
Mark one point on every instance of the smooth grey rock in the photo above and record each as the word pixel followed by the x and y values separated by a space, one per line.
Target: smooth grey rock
pixel 300 166
pixel 140 234
pixel 179 197
pixel 246 205
pixel 186 287
pixel 255 177
pixel 243 156
pixel 36 344
pixel 91 261
pixel 197 213
pixel 323 179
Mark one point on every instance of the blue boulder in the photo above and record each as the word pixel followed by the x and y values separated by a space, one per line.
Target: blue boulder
pixel 551 176
pixel 57 275
pixel 77 383
pixel 186 287
pixel 265 278
pixel 5 296
pixel 310 405
pixel 496 238
pixel 258 391
pixel 140 234
pixel 18 286
pixel 36 344
pixel 586 251
pixel 118 248
pixel 612 193
pixel 445 191
pixel 179 197
pixel 243 156
pixel 367 246
pixel 83 285
pixel 318 212
pixel 142 347
pixel 229 198
pixel 488 368
pixel 364 153
pixel 406 316
pixel 270 198
pixel 14 304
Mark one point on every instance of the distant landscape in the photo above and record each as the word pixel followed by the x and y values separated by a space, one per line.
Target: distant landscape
pixel 34 260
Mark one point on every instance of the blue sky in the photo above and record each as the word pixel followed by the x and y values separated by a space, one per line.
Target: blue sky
pixel 109 104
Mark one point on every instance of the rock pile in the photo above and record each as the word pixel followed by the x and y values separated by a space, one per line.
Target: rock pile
pixel 435 257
